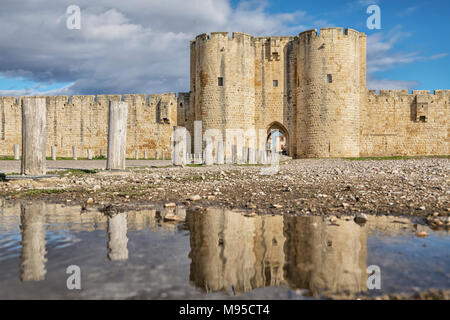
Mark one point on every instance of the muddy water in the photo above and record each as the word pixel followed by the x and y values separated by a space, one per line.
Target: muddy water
pixel 214 254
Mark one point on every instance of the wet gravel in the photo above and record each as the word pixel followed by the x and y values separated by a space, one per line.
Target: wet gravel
pixel 418 187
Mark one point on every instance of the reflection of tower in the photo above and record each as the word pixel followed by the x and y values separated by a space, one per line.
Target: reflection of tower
pixel 231 250
pixel 325 258
pixel 33 242
pixel 117 233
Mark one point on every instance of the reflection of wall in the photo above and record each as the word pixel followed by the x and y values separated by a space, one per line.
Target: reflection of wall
pixel 231 250
pixel 325 258
pixel 117 234
pixel 33 242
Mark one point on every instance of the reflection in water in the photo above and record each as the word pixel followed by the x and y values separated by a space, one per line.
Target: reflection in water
pixel 322 257
pixel 33 225
pixel 117 237
pixel 231 250
pixel 228 251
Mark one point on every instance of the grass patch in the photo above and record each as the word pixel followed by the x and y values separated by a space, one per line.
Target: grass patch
pixel 40 192
pixel 6 158
pixel 195 165
pixel 397 158
pixel 76 172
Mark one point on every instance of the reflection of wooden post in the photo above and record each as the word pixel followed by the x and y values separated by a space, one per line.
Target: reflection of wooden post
pixel 53 153
pixel 34 135
pixel 117 135
pixel 74 152
pixel 16 152
pixel 32 221
pixel 117 233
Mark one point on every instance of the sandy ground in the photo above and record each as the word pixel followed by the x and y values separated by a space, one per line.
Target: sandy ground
pixel 12 166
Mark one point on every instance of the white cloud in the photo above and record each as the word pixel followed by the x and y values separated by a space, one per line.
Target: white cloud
pixel 387 84
pixel 381 55
pixel 131 46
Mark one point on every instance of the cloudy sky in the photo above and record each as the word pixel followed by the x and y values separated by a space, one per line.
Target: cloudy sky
pixel 142 46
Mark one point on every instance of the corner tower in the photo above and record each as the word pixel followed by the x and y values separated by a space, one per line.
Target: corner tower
pixel 222 81
pixel 331 85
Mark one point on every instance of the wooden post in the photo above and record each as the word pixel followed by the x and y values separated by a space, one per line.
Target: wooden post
pixel 136 154
pixel 53 153
pixel 145 155
pixel 157 155
pixel 16 152
pixel 74 152
pixel 209 161
pixel 251 156
pixel 179 146
pixel 89 154
pixel 117 135
pixel 220 153
pixel 34 135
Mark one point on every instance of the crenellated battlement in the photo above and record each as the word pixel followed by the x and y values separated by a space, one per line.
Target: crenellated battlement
pixel 149 99
pixel 222 36
pixel 413 93
pixel 330 34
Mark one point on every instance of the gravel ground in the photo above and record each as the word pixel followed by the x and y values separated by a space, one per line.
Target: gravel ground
pixel 418 187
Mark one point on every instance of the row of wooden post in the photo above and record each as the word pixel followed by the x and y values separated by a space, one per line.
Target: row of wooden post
pixel 34 134
pixel 249 155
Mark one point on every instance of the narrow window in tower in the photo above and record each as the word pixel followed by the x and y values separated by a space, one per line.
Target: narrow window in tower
pixel 220 82
pixel 275 83
pixel 329 78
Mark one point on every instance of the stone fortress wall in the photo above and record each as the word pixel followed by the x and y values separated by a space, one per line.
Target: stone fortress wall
pixel 395 122
pixel 311 87
pixel 82 121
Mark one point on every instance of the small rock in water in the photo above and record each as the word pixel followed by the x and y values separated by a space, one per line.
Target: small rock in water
pixel 422 234
pixel 360 218
pixel 170 205
pixel 172 217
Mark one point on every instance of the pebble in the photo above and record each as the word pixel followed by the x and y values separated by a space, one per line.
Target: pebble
pixel 195 198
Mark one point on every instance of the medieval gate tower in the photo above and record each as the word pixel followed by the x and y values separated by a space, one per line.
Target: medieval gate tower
pixel 309 87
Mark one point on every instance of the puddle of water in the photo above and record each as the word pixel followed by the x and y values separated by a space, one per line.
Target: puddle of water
pixel 215 254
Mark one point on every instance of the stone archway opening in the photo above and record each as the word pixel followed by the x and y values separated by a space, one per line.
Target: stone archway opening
pixel 278 137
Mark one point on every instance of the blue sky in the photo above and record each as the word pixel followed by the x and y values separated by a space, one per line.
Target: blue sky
pixel 142 46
